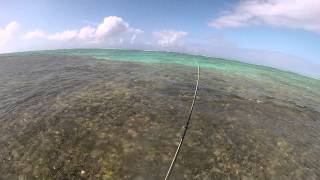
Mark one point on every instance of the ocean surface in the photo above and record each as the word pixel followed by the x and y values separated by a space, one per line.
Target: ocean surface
pixel 282 84
pixel 118 114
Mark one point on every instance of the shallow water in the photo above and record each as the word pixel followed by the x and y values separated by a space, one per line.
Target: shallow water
pixel 82 118
pixel 252 79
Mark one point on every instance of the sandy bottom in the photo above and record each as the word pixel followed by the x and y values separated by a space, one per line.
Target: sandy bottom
pixel 81 118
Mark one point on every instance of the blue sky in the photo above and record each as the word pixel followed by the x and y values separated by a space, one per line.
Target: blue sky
pixel 279 33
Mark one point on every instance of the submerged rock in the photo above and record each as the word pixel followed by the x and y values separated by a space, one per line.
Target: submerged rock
pixel 81 118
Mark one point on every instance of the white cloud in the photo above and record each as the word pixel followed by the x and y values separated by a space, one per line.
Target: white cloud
pixel 133 38
pixel 112 29
pixel 299 14
pixel 34 34
pixel 86 33
pixel 169 37
pixel 111 26
pixel 7 32
pixel 64 36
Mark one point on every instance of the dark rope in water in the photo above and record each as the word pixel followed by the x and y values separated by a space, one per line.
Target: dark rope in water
pixel 185 128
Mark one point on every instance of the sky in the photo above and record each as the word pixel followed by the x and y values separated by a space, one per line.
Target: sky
pixel 283 34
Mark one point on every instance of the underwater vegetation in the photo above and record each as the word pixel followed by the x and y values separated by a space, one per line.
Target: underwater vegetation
pixel 71 114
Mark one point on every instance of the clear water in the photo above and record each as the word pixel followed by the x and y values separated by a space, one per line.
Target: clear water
pixel 283 85
pixel 71 114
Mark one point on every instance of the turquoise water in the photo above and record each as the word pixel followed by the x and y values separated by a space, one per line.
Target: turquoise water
pixel 249 70
pixel 281 84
